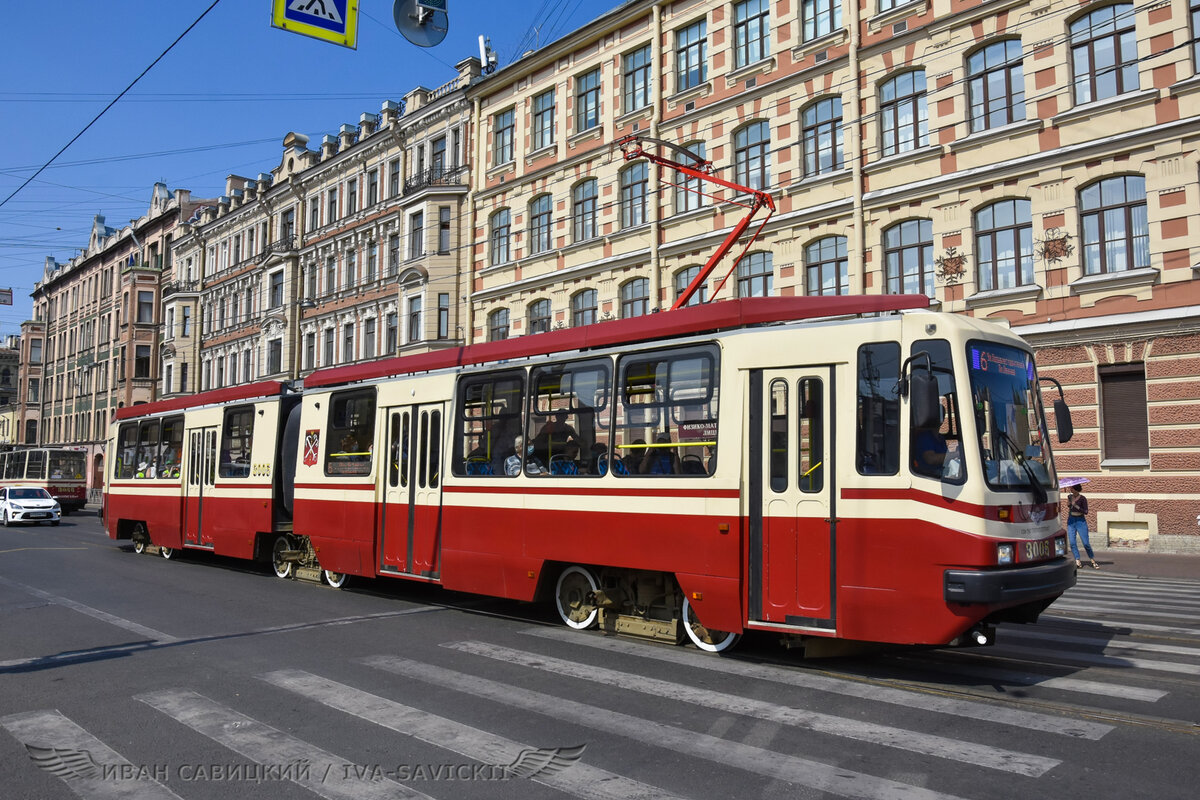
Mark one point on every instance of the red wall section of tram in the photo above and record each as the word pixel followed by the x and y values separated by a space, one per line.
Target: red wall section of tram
pixel 229 524
pixel 342 531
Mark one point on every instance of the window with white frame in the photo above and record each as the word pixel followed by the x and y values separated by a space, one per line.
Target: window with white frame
pixel 587 100
pixel 635 79
pixel 689 191
pixel 499 226
pixel 415 329
pixel 821 134
pixel 583 210
pixel 503 132
pixel 635 183
pixel 416 234
pixel 752 155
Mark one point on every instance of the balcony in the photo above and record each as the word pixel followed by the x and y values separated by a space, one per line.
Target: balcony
pixel 436 176
pixel 173 287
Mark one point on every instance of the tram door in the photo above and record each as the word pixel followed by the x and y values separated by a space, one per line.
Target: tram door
pixel 201 477
pixel 412 514
pixel 793 526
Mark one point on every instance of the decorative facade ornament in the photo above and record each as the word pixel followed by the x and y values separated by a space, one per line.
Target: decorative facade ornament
pixel 951 266
pixel 1055 246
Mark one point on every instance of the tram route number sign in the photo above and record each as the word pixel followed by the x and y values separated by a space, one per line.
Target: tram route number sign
pixel 333 21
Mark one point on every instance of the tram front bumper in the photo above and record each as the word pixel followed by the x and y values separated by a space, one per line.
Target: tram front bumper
pixel 1009 586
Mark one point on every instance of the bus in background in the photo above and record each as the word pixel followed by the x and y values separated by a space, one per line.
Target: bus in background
pixel 60 472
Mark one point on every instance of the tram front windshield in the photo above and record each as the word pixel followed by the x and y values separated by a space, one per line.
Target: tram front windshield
pixel 1009 419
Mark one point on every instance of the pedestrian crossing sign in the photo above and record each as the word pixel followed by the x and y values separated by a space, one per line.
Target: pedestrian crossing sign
pixel 331 20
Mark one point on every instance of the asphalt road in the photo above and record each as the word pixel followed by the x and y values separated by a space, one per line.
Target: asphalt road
pixel 130 676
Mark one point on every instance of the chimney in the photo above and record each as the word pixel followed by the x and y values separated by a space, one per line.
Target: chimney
pixel 367 124
pixel 346 137
pixel 390 113
pixel 328 146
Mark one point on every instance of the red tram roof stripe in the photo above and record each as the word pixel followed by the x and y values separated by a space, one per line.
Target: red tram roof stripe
pixel 706 317
pixel 227 395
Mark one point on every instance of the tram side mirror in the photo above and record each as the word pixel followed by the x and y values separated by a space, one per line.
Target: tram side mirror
pixel 1062 420
pixel 926 409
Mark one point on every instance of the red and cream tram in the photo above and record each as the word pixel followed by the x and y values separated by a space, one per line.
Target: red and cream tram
pixel 851 468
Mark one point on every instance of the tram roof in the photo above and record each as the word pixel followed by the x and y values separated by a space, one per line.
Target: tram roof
pixel 230 394
pixel 693 320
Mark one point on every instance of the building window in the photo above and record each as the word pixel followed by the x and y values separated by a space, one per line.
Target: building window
pixel 996 84
pixel 351 196
pixel 185 329
pixel 826 267
pixel 141 361
pixel 372 187
pixel 35 351
pixel 276 289
pixel 348 342
pixel 314 214
pixel 751 32
pixel 634 183
pixel 904 122
pixel 392 332
pixel 1004 245
pixel 822 135
pixel 498 325
pixel 543 120
pixel 820 18
pixel 498 236
pixel 583 210
pixel 635 79
pixel 908 257
pixel 1116 235
pixel 635 298
pixel 369 338
pixel 310 350
pixel 1104 59
pixel 752 155
pixel 691 56
pixel 331 206
pixel 327 347
pixel 443 318
pixel 756 275
pixel 416 235
pixel 274 359
pixel 372 261
pixel 503 127
pixel 1196 35
pixel 587 100
pixel 437 158
pixel 583 308
pixel 330 275
pixel 539 224
pixel 444 229
pixel 683 279
pixel 311 275
pixel 351 268
pixel 393 254
pixel 688 191
pixel 145 307
pixel 1124 424
pixel 539 316
pixel 414 320
pixel 394 178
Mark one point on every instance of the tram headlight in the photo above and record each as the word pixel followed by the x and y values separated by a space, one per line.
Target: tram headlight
pixel 1060 545
pixel 1004 554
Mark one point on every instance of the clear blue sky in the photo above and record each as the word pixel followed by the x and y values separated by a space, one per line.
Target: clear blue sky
pixel 220 102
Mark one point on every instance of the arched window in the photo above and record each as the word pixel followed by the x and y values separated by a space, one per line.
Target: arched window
pixel 908 257
pixel 822 136
pixel 583 210
pixel 634 186
pixel 684 278
pixel 539 316
pixel 1004 245
pixel 1104 59
pixel 827 269
pixel 498 325
pixel 1116 234
pixel 635 298
pixel 752 155
pixel 756 275
pixel 903 117
pixel 499 227
pixel 583 308
pixel 539 224
pixel 996 85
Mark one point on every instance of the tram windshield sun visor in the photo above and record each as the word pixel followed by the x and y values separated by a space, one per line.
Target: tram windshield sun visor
pixel 1009 420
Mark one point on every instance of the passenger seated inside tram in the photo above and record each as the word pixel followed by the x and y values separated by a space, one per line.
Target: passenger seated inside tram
pixel 660 460
pixel 512 464
pixel 554 435
pixel 633 459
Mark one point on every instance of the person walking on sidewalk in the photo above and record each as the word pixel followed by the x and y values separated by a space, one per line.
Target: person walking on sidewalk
pixel 1077 509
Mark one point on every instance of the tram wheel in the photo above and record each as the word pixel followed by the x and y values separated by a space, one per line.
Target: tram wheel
pixel 707 639
pixel 283 569
pixel 335 579
pixel 574 598
pixel 140 538
pixel 167 552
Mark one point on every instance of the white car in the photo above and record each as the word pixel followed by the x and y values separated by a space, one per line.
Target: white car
pixel 31 504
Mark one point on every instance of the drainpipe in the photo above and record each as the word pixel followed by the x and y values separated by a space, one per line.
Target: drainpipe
pixel 655 177
pixel 477 176
pixel 856 148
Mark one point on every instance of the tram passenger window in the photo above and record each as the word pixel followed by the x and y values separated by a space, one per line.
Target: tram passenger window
pixel 488 419
pixel 147 450
pixel 237 437
pixel 779 458
pixel 810 470
pixel 123 462
pixel 350 433
pixel 35 467
pixel 14 468
pixel 666 412
pixel 172 448
pixel 569 418
pixel 878 412
pixel 937 452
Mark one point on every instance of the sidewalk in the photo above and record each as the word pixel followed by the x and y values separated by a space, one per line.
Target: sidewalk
pixel 1144 565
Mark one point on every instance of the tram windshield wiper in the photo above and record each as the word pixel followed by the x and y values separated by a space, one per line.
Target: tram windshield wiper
pixel 1035 485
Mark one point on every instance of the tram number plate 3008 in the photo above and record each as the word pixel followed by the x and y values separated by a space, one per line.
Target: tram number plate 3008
pixel 1037 550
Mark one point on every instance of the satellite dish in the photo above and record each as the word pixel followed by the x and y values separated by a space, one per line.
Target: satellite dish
pixel 422 22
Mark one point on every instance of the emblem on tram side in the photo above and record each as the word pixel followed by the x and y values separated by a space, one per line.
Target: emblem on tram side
pixel 312 443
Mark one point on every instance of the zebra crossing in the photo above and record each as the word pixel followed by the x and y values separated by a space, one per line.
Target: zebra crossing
pixel 781 724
